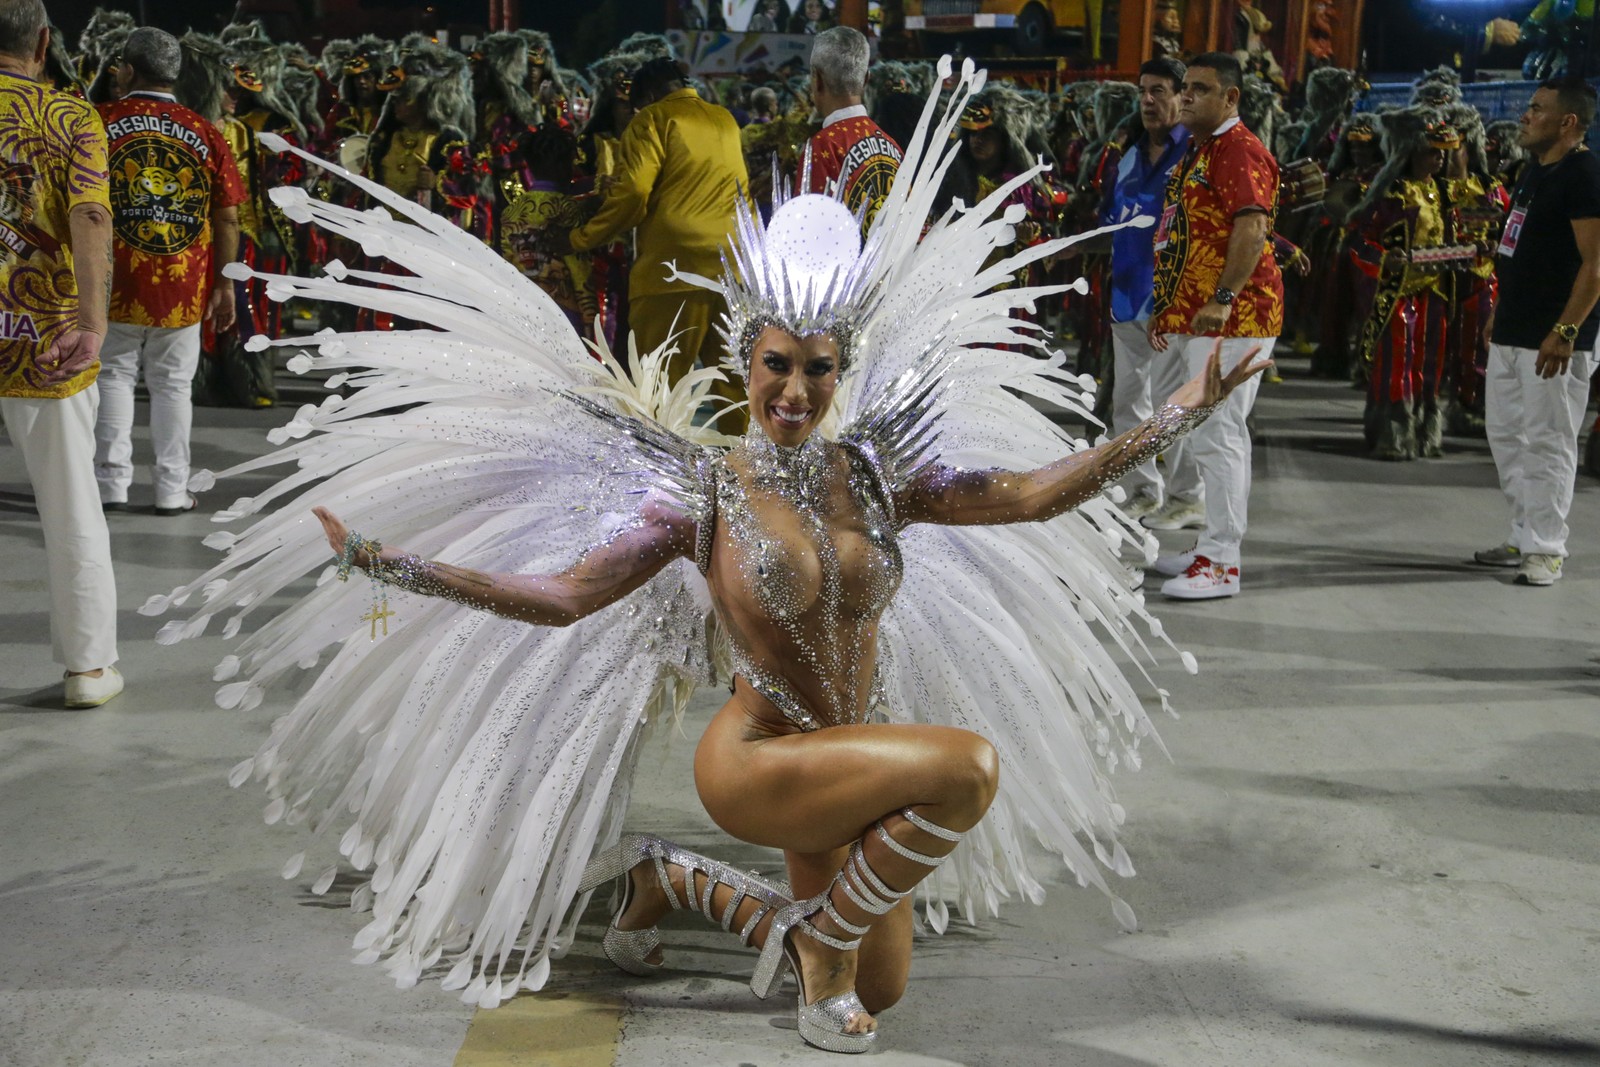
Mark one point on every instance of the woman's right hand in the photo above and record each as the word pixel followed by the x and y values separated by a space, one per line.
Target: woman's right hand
pixel 337 533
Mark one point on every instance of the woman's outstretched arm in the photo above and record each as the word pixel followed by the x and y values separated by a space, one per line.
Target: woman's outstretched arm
pixel 954 497
pixel 606 573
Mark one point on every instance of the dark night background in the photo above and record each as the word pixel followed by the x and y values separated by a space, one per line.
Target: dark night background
pixel 1399 35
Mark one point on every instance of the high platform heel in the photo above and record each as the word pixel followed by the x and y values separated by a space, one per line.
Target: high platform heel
pixel 822 1024
pixel 628 949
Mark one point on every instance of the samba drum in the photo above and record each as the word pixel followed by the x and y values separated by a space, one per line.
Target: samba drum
pixel 1302 185
pixel 353 152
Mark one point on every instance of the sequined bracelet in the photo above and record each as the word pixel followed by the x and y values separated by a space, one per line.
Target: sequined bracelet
pixel 354 544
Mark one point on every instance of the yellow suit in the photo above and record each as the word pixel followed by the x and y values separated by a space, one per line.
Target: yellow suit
pixel 680 169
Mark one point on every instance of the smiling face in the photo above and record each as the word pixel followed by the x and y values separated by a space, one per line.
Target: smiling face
pixel 792 380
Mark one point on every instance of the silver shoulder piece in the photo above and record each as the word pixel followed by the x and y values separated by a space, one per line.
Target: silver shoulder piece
pixel 897 430
pixel 675 465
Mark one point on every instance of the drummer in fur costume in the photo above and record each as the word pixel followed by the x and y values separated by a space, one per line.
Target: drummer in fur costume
pixel 354 67
pixel 420 147
pixel 98 44
pixel 1357 158
pixel 213 84
pixel 506 114
pixel 1404 230
pixel 1479 204
pixel 544 84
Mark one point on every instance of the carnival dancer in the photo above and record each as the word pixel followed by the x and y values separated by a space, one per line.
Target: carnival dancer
pixel 1478 204
pixel 257 104
pixel 1356 160
pixel 545 85
pixel 354 67
pixel 1404 246
pixel 1216 277
pixel 421 150
pixel 544 211
pixel 850 151
pixel 599 159
pixel 98 47
pixel 1115 103
pixel 991 157
pixel 506 115
pixel 488 761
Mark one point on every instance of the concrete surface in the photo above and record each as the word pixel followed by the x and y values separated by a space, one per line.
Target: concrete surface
pixel 1376 843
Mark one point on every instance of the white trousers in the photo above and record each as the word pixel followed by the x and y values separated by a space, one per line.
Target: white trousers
pixel 1220 446
pixel 1533 426
pixel 56 440
pixel 169 358
pixel 1142 379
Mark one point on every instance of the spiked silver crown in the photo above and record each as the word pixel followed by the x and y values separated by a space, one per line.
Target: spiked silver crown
pixel 803 273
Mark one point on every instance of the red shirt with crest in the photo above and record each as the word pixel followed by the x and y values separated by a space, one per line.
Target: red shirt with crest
pixel 170 169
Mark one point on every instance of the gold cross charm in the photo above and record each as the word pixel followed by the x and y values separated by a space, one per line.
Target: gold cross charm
pixel 379 614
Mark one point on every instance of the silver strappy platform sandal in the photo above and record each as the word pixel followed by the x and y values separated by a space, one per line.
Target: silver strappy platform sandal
pixel 822 1024
pixel 629 949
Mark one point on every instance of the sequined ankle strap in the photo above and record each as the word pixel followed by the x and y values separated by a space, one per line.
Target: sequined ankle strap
pixel 930 828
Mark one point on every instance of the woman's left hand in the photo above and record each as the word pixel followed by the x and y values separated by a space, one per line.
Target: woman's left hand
pixel 1211 386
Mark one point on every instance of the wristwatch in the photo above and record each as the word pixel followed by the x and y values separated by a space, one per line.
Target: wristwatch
pixel 1567 331
pixel 1223 296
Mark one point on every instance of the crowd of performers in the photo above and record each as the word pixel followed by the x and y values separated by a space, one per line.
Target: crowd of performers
pixel 1387 228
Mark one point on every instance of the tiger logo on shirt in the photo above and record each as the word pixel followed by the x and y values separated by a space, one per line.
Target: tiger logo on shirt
pixel 158 197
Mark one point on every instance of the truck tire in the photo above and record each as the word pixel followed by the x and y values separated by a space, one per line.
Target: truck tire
pixel 1031 35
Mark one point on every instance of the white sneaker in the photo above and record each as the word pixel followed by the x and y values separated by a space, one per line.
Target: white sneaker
pixel 1506 555
pixel 1204 580
pixel 1172 566
pixel 1177 513
pixel 84 691
pixel 1538 569
pixel 1141 504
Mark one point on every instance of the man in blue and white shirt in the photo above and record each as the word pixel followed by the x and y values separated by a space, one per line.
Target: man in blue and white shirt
pixel 1144 377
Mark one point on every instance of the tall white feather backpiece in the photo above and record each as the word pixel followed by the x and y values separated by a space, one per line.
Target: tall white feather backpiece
pixel 470 765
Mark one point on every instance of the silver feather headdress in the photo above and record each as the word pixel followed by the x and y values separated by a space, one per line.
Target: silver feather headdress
pixel 804 272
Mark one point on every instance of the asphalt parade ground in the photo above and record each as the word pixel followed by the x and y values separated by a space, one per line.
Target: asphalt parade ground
pixel 1377 840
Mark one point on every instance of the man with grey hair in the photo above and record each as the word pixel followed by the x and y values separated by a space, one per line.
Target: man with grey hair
pixel 55 253
pixel 850 156
pixel 174 197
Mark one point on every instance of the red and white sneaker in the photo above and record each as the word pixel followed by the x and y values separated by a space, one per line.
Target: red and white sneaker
pixel 1204 580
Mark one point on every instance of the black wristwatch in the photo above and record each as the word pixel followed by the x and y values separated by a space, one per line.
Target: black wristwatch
pixel 1567 331
pixel 1223 296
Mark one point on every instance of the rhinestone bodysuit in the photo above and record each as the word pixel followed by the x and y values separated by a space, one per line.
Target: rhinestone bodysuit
pixel 810 561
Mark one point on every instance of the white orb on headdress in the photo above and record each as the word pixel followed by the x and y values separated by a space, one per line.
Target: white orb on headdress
pixel 813 239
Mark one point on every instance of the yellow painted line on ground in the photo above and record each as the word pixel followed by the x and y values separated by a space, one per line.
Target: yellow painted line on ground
pixel 545 1030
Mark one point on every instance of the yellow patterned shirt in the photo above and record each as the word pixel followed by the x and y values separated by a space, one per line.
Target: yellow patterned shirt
pixel 52 159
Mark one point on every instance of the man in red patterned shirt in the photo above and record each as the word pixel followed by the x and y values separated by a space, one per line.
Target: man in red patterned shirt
pixel 174 198
pixel 850 153
pixel 1217 286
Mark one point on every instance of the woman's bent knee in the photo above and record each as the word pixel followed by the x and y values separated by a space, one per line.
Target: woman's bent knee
pixel 974 780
